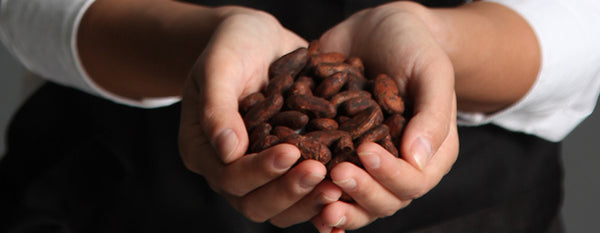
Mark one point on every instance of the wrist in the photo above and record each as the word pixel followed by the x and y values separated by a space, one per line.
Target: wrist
pixel 493 50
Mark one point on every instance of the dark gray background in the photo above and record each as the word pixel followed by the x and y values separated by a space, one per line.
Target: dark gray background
pixel 581 209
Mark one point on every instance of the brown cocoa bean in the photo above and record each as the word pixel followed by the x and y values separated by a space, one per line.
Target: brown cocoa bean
pixel 326 137
pixel 344 145
pixel 363 121
pixel 322 124
pixel 262 111
pixel 282 131
pixel 292 119
pixel 264 143
pixel 326 58
pixel 344 96
pixel 249 101
pixel 325 70
pixel 314 48
pixel 374 134
pixel 356 105
pixel 259 132
pixel 386 93
pixel 396 124
pixel 310 148
pixel 389 145
pixel 302 86
pixel 312 105
pixel 356 62
pixel 279 84
pixel 289 64
pixel 356 82
pixel 331 85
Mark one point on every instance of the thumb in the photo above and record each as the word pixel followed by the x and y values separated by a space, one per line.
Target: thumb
pixel 219 90
pixel 434 102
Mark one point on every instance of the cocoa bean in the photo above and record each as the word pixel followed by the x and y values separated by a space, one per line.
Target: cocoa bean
pixel 357 63
pixel 262 111
pixel 326 137
pixel 259 132
pixel 374 134
pixel 331 85
pixel 343 96
pixel 289 64
pixel 279 84
pixel 264 143
pixel 344 145
pixel 396 124
pixel 282 131
pixel 388 144
pixel 325 70
pixel 312 105
pixel 249 101
pixel 302 86
pixel 356 105
pixel 314 48
pixel 322 124
pixel 356 82
pixel 310 148
pixel 326 58
pixel 363 121
pixel 292 119
pixel 386 93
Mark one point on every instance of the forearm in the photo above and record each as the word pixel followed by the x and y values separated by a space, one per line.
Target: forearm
pixel 494 51
pixel 140 49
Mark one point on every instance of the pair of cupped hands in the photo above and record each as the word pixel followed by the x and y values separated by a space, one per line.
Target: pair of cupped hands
pixel 390 39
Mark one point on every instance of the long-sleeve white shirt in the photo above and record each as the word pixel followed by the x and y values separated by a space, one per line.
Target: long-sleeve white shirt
pixel 42 35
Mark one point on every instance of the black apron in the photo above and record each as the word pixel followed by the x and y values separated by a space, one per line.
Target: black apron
pixel 79 163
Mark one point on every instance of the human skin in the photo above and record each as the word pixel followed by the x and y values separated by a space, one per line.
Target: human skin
pixel 483 53
pixel 477 57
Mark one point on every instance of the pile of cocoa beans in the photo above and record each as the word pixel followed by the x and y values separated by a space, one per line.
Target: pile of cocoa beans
pixel 323 104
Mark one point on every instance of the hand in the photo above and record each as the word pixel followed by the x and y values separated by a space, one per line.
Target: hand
pixel 213 138
pixel 393 39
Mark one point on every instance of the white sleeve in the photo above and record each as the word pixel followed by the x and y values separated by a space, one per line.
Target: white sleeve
pixel 568 83
pixel 41 34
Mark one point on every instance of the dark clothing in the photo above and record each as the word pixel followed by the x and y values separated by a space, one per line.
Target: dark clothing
pixel 78 163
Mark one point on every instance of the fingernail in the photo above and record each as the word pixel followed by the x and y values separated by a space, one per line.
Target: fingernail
pixel 421 150
pixel 226 143
pixel 328 198
pixel 347 184
pixel 340 222
pixel 310 180
pixel 370 159
pixel 284 161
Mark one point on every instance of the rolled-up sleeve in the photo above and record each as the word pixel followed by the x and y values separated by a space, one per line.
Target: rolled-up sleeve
pixel 42 35
pixel 568 83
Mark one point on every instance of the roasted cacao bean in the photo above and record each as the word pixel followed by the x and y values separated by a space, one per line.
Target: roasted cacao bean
pixel 312 105
pixel 262 111
pixel 292 119
pixel 289 64
pixel 386 93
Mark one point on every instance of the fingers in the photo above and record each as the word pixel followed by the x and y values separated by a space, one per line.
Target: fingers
pixel 309 206
pixel 220 87
pixel 432 91
pixel 365 190
pixel 280 194
pixel 255 170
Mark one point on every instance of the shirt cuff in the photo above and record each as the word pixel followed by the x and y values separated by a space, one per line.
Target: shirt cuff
pixel 568 83
pixel 42 35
